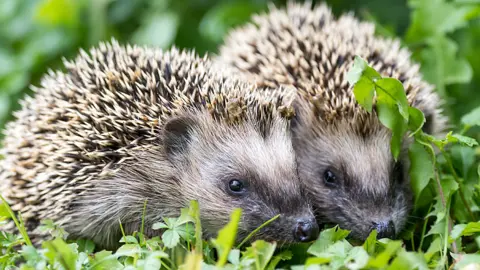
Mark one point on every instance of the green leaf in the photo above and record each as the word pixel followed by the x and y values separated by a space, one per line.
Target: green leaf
pixel 129 250
pixel 357 258
pixel 421 168
pixel 261 251
pixel 327 238
pixel 153 260
pixel 364 91
pixel 381 259
pixel 355 73
pixel 170 238
pixel 186 231
pixel 463 140
pixel 159 225
pixel 59 251
pixel 393 88
pixel 416 120
pixel 390 117
pixel 185 217
pixel 467 261
pixel 360 69
pixel 30 253
pixel 284 255
pixel 448 186
pixel 157 30
pixel 408 260
pixel 105 260
pixel 129 240
pixel 226 237
pixel 463 158
pixel 234 256
pixel 52 228
pixel 86 246
pixel 315 261
pixel 472 118
pixel 369 244
pixel 465 229
pixel 152 263
pixel 434 248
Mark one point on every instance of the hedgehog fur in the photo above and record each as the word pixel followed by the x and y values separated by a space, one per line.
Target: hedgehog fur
pixel 312 50
pixel 129 124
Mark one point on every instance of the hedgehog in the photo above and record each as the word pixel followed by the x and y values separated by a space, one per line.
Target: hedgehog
pixel 127 124
pixel 343 152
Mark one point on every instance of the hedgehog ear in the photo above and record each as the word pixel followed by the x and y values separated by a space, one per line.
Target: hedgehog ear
pixel 302 115
pixel 177 134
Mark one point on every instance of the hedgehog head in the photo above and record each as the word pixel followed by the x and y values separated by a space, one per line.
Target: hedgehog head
pixel 248 165
pixel 351 175
pixel 127 124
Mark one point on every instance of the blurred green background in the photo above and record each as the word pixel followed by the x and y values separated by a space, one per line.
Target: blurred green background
pixel 35 35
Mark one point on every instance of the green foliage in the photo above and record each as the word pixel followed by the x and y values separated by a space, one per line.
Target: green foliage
pixel 226 238
pixel 391 102
pixel 423 166
pixel 444 37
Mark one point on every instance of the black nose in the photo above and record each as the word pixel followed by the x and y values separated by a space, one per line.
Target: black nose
pixel 385 229
pixel 306 230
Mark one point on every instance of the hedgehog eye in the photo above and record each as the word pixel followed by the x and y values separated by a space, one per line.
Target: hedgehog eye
pixel 329 178
pixel 237 187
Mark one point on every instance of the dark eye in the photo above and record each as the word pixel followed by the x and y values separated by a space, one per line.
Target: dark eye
pixel 236 187
pixel 329 178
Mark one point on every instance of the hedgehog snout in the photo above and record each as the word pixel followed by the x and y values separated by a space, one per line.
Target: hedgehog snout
pixel 306 230
pixel 385 229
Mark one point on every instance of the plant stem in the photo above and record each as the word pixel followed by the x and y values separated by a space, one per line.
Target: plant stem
pixel 257 229
pixel 424 229
pixel 165 265
pixel 142 229
pixel 440 190
pixel 460 190
pixel 448 227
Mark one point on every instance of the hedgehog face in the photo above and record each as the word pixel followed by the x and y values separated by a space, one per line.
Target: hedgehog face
pixel 236 166
pixel 353 179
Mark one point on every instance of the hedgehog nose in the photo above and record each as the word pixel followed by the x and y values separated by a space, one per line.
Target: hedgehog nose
pixel 385 229
pixel 306 230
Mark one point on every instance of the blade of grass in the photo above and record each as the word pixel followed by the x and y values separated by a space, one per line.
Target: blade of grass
pixel 20 225
pixel 256 230
pixel 142 229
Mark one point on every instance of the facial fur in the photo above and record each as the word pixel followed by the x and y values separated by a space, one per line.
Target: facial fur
pixel 352 177
pixel 196 161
